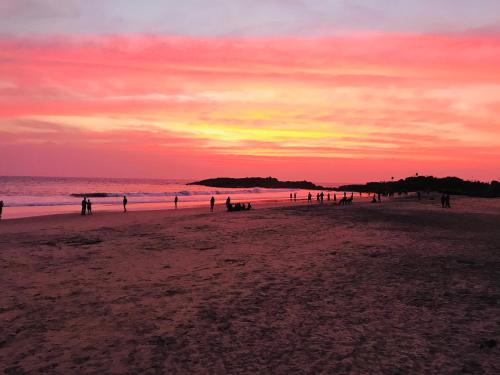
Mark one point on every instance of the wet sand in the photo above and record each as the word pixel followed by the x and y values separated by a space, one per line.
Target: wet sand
pixel 399 287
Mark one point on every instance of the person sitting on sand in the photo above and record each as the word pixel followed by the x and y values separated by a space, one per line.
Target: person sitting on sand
pixel 237 207
pixel 84 205
pixel 1 208
pixel 125 201
pixel 89 207
pixel 229 206
pixel 212 204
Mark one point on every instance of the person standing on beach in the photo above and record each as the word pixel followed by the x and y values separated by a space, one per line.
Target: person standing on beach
pixel 309 198
pixel 125 201
pixel 335 197
pixel 447 201
pixel 443 200
pixel 1 208
pixel 295 197
pixel 212 204
pixel 89 207
pixel 291 197
pixel 378 196
pixel 84 205
pixel 328 197
pixel 176 199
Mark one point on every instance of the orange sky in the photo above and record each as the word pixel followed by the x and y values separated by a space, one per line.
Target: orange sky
pixel 350 107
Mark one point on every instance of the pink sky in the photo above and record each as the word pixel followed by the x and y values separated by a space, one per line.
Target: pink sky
pixel 350 107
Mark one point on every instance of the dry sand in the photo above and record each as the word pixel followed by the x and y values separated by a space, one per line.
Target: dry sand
pixel 399 287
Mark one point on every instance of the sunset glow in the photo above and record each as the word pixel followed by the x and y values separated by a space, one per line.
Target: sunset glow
pixel 348 106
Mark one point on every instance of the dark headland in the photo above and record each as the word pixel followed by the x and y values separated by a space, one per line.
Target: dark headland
pixel 262 182
pixel 449 185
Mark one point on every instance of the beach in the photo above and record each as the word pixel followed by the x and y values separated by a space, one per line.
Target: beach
pixel 403 286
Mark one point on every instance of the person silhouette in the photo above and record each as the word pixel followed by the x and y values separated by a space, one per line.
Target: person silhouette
pixel 295 197
pixel 84 205
pixel 291 197
pixel 374 200
pixel 317 197
pixel 89 207
pixel 334 197
pixel 321 196
pixel 328 197
pixel 212 204
pixel 309 198
pixel 1 208
pixel 176 200
pixel 447 201
pixel 378 197
pixel 228 201
pixel 443 201
pixel 125 201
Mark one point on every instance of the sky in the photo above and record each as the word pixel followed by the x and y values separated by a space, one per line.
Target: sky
pixel 326 90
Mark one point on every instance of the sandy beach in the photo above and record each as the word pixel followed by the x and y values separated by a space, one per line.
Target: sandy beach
pixel 400 287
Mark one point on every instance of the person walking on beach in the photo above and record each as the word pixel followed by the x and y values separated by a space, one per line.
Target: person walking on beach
pixel 309 198
pixel 176 199
pixel 1 208
pixel 447 201
pixel 212 204
pixel 89 207
pixel 125 201
pixel 84 205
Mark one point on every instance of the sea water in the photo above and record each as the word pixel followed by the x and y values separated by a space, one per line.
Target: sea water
pixel 34 196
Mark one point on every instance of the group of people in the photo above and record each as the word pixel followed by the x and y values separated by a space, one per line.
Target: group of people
pixel 320 197
pixel 235 207
pixel 86 206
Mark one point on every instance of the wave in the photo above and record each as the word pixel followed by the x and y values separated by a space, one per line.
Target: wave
pixel 140 197
pixel 181 193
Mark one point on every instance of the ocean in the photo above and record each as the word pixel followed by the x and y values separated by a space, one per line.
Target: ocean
pixel 35 196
